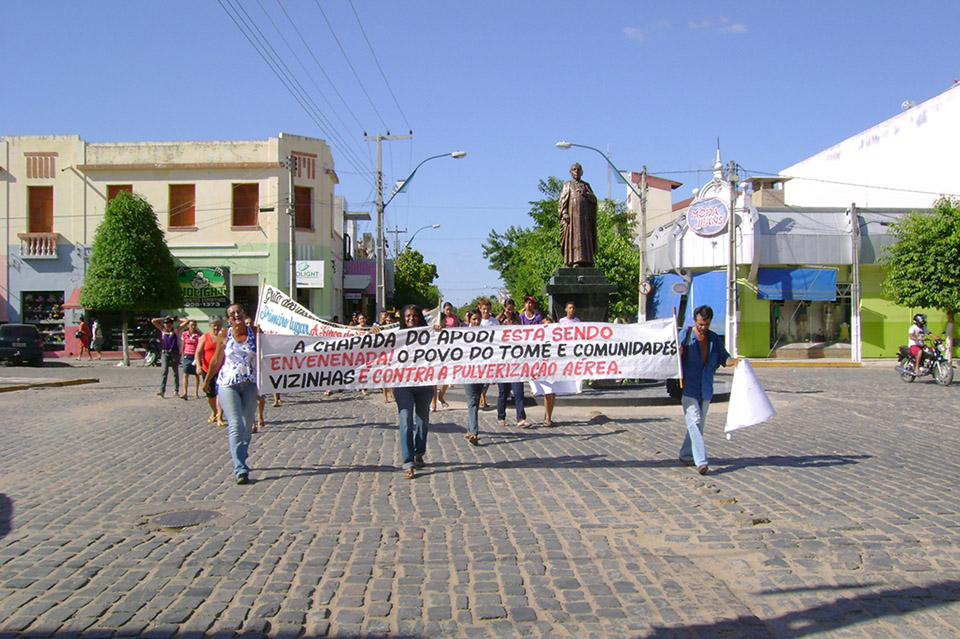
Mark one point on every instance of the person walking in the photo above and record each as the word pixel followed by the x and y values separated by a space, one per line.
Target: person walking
pixel 449 319
pixel 550 389
pixel 505 389
pixel 190 339
pixel 234 367
pixel 205 350
pixel 484 306
pixel 473 392
pixel 169 351
pixel 701 354
pixel 413 405
pixel 83 335
pixel 97 331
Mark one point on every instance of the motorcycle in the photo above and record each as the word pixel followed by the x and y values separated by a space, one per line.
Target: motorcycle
pixel 151 352
pixel 935 362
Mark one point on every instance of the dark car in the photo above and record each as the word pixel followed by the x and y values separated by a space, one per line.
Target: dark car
pixel 21 343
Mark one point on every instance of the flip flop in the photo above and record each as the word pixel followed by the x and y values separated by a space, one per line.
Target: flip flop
pixel 444 405
pixel 524 424
pixel 409 473
pixel 549 423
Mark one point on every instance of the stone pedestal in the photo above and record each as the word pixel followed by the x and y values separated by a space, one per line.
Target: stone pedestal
pixel 587 287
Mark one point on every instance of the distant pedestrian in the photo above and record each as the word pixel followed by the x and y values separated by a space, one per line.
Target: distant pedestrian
pixel 234 366
pixel 486 319
pixel 190 339
pixel 96 330
pixel 702 353
pixel 169 327
pixel 473 392
pixel 83 335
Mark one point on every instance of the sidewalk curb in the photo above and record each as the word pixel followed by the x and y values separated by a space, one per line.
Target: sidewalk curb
pixel 66 382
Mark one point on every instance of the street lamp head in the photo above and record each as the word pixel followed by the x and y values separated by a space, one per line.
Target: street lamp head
pixel 458 154
pixel 435 226
pixel 563 144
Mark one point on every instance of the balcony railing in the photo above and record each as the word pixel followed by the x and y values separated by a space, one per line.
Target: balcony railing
pixel 38 246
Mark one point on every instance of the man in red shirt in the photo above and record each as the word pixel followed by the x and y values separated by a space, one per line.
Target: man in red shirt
pixel 205 349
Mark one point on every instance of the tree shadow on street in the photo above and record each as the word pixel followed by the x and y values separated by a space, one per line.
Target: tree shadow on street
pixel 825 617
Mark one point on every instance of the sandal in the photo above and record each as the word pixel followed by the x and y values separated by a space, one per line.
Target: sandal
pixel 549 423
pixel 419 462
pixel 220 422
pixel 409 473
pixel 501 422
pixel 524 424
pixel 211 419
pixel 473 439
pixel 444 405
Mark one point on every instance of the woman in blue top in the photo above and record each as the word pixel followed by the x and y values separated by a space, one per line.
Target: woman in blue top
pixel 702 353
pixel 234 366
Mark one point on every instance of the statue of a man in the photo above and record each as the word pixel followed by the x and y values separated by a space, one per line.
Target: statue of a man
pixel 578 218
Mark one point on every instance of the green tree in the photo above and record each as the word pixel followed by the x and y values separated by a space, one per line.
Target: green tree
pixel 922 267
pixel 527 258
pixel 413 281
pixel 131 269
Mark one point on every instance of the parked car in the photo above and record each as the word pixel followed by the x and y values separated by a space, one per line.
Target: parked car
pixel 21 343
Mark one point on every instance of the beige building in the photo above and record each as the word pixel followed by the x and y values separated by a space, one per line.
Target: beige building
pixel 222 205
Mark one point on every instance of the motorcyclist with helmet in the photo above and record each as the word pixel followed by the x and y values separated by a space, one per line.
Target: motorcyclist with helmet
pixel 918 334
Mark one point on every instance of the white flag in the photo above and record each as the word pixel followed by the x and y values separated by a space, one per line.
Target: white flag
pixel 749 404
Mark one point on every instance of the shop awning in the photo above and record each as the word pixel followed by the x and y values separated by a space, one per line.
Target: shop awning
pixel 74 300
pixel 353 282
pixel 810 284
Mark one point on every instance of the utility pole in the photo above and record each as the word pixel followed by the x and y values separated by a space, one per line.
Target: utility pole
pixel 642 303
pixel 381 261
pixel 731 327
pixel 396 230
pixel 292 212
pixel 856 328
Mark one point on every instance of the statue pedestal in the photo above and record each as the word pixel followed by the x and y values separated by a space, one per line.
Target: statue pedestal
pixel 587 287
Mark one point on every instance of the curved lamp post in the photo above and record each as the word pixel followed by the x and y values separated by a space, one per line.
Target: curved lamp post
pixel 641 301
pixel 381 205
pixel 406 245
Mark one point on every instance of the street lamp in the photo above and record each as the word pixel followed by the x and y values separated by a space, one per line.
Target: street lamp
pixel 381 205
pixel 641 301
pixel 406 245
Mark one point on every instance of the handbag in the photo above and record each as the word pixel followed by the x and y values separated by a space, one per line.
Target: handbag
pixel 78 335
pixel 674 387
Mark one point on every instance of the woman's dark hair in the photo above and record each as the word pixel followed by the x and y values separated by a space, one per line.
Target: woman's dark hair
pixel 703 311
pixel 418 310
pixel 509 302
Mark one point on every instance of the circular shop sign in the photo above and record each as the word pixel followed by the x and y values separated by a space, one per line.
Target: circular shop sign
pixel 708 217
pixel 679 288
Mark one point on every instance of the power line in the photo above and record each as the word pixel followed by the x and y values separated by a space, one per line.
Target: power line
pixel 279 69
pixel 350 64
pixel 382 74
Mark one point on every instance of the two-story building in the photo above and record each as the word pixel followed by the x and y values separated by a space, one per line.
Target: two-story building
pixel 224 207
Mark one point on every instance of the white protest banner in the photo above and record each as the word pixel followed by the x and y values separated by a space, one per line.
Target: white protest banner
pixel 280 314
pixel 426 356
pixel 749 404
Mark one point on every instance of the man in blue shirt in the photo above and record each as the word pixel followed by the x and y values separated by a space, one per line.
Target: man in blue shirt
pixel 702 353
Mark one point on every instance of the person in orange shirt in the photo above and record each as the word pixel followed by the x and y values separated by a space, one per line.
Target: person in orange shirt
pixel 205 350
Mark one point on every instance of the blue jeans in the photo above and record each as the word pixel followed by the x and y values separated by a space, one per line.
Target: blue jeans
pixel 413 406
pixel 169 361
pixel 239 403
pixel 505 389
pixel 695 414
pixel 473 407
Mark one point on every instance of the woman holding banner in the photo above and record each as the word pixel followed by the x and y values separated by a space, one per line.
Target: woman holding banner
pixel 413 404
pixel 234 367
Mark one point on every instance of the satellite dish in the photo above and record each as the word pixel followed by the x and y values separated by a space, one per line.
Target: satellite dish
pixel 908 104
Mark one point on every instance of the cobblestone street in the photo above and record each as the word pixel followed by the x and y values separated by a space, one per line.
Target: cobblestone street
pixel 837 518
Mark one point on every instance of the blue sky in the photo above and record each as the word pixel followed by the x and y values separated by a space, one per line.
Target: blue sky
pixel 652 83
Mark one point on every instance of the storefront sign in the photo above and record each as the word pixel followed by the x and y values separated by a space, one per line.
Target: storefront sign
pixel 708 217
pixel 309 273
pixel 204 287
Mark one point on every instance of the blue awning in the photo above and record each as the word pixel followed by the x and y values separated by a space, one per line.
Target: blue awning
pixel 811 284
